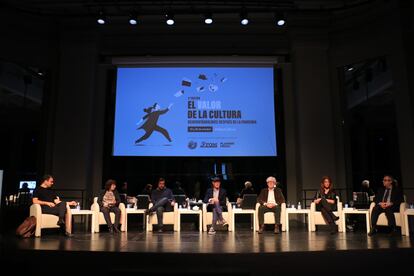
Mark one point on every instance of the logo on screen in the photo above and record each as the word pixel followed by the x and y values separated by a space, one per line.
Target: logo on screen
pixel 208 145
pixel 192 145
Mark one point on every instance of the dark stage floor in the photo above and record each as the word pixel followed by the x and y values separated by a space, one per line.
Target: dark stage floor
pixel 188 252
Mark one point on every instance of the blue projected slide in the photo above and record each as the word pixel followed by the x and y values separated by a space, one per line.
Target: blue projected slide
pixel 197 111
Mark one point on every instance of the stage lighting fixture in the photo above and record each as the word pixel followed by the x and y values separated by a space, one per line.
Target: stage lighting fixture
pixel 101 18
pixel 133 20
pixel 170 19
pixel 243 19
pixel 280 19
pixel 208 18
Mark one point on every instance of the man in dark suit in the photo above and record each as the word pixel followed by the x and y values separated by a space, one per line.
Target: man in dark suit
pixel 270 199
pixel 387 200
pixel 216 198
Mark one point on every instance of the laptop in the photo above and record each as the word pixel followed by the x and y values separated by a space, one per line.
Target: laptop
pixel 362 200
pixel 143 201
pixel 180 199
pixel 249 201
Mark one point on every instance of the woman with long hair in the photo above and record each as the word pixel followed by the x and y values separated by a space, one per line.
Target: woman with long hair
pixel 325 200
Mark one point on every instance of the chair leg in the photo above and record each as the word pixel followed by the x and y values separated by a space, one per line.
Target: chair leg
pixel 38 231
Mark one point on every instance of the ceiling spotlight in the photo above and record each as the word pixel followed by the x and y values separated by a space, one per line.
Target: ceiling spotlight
pixel 101 18
pixel 280 19
pixel 170 19
pixel 208 18
pixel 281 22
pixel 133 19
pixel 243 19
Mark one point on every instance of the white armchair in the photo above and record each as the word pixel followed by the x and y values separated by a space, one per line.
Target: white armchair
pixel 46 220
pixel 208 216
pixel 168 218
pixel 100 218
pixel 399 217
pixel 317 218
pixel 269 217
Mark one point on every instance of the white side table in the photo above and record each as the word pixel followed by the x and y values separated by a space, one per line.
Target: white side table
pixel 190 212
pixel 353 211
pixel 408 212
pixel 76 212
pixel 297 211
pixel 136 212
pixel 236 211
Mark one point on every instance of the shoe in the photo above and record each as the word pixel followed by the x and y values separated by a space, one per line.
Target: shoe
pixel 350 228
pixel 277 230
pixel 333 229
pixel 372 232
pixel 394 232
pixel 211 231
pixel 261 228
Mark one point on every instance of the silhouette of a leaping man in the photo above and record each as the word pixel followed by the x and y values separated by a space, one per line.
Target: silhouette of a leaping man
pixel 152 116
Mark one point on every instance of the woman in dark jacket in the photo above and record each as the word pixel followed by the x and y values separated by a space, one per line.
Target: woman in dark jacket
pixel 325 200
pixel 109 201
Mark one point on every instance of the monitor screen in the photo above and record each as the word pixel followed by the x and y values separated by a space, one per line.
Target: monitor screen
pixel 195 111
pixel 31 184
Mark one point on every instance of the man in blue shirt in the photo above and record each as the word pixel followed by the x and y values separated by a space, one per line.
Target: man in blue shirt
pixel 163 201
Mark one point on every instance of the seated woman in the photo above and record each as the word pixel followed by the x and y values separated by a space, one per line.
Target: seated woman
pixel 108 202
pixel 325 200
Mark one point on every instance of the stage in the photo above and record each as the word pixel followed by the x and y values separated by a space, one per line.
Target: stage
pixel 227 253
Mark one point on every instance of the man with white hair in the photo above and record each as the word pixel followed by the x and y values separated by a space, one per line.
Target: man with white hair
pixel 248 189
pixel 366 189
pixel 270 199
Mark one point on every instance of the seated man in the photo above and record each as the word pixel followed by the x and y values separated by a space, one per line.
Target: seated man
pixel 178 190
pixel 216 198
pixel 247 190
pixel 270 199
pixel 147 190
pixel 51 204
pixel 387 200
pixel 366 189
pixel 24 196
pixel 163 200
